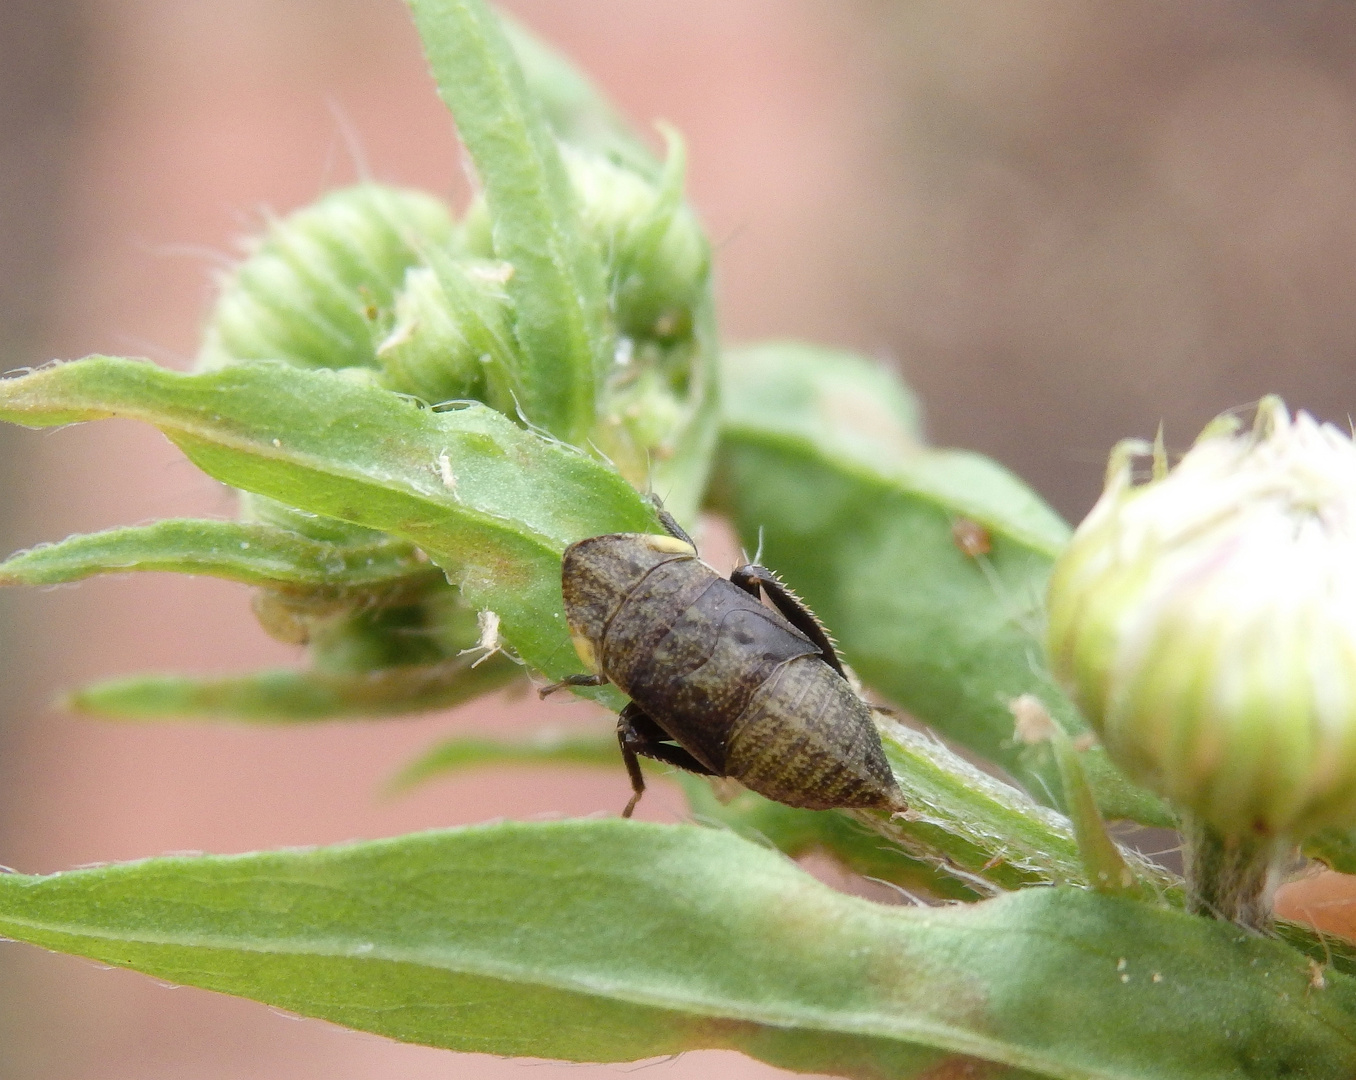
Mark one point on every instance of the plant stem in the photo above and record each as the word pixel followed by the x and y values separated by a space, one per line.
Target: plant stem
pixel 983 831
pixel 1233 878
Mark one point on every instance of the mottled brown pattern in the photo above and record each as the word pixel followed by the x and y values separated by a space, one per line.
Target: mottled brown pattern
pixel 809 741
pixel 740 688
pixel 598 574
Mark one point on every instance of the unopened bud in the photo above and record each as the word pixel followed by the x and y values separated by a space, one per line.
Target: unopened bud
pixel 1206 623
pixel 317 290
pixel 654 252
pixel 453 338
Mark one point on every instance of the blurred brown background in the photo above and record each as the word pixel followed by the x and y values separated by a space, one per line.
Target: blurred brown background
pixel 1062 221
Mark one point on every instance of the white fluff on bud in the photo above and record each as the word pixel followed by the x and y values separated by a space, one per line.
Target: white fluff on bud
pixel 1206 622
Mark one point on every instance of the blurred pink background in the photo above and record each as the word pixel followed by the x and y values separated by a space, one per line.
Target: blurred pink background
pixel 1063 222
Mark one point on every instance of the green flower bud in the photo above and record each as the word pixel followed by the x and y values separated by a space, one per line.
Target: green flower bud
pixel 318 288
pixel 453 337
pixel 1206 623
pixel 654 251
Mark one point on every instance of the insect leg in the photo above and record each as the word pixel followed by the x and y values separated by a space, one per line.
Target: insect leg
pixel 638 734
pixel 573 680
pixel 626 739
pixel 751 576
pixel 671 526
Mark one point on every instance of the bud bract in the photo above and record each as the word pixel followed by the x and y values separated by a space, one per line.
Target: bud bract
pixel 1205 621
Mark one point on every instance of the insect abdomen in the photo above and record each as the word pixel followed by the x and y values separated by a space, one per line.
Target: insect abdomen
pixel 702 666
pixel 807 740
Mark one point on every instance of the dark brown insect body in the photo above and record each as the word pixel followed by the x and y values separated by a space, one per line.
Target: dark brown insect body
pixel 720 684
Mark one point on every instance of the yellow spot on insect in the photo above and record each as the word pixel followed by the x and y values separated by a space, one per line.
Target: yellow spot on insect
pixel 669 543
pixel 584 647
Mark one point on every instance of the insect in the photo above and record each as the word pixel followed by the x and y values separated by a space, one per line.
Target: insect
pixel 971 537
pixel 720 685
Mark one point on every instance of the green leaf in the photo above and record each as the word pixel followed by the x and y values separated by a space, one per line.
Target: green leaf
pixel 1105 864
pixel 557 287
pixel 835 400
pixel 287 696
pixel 928 565
pixel 793 831
pixel 492 504
pixel 577 112
pixel 606 940
pixel 256 554
pixel 548 746
pixel 1336 848
pixel 966 834
pixel 801 832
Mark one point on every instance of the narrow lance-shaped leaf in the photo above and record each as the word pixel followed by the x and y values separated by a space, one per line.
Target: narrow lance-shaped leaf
pixel 287 696
pixel 492 504
pixel 928 565
pixel 557 286
pixel 657 403
pixel 851 843
pixel 966 834
pixel 793 831
pixel 574 108
pixel 250 552
pixel 612 941
pixel 549 746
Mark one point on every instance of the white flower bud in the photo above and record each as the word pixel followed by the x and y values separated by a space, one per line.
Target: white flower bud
pixel 1206 623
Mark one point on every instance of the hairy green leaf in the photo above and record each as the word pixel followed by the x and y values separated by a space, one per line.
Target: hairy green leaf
pixel 557 287
pixel 797 832
pixel 928 565
pixel 793 831
pixel 577 112
pixel 549 746
pixel 254 553
pixel 287 696
pixel 605 940
pixel 965 834
pixel 490 503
